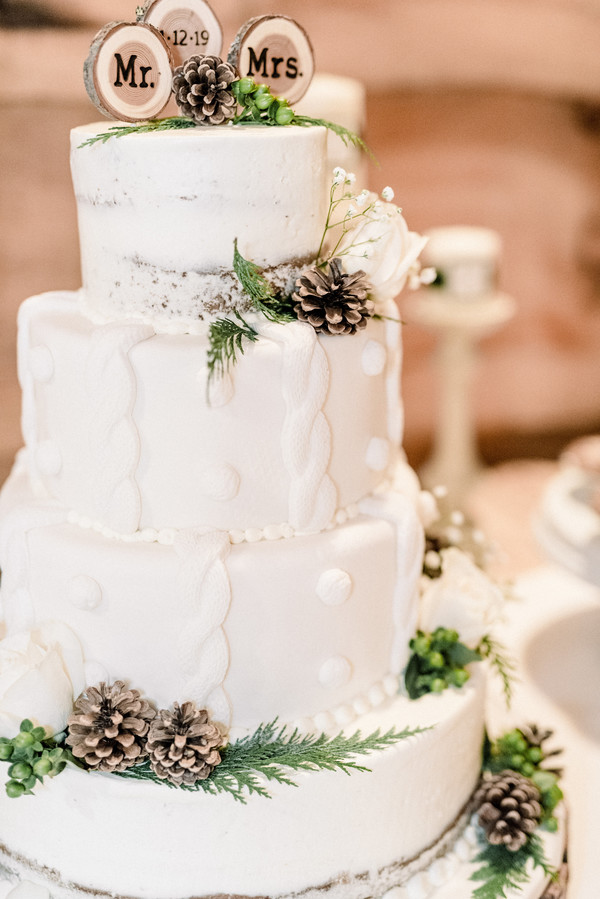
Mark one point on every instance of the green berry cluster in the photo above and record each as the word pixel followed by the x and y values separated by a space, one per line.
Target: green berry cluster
pixel 32 757
pixel 259 105
pixel 514 751
pixel 438 661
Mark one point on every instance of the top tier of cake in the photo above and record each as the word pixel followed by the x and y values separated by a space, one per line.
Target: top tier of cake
pixel 159 214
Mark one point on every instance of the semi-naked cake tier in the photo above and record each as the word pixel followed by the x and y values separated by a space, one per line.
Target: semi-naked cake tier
pixel 158 217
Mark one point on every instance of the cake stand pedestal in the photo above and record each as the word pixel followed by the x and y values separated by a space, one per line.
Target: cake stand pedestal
pixel 459 325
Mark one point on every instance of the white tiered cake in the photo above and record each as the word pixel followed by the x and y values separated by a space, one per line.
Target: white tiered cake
pixel 251 544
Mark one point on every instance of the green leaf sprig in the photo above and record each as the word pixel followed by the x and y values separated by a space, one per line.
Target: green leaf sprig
pixel 31 756
pixel 260 107
pixel 226 336
pixel 502 870
pixel 272 752
pixel 438 661
pixel 225 341
pixel 172 123
pixel 502 664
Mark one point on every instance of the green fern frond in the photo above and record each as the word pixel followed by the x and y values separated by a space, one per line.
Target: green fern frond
pixel 350 138
pixel 503 664
pixel 271 753
pixel 264 298
pixel 225 341
pixel 503 870
pixel 168 124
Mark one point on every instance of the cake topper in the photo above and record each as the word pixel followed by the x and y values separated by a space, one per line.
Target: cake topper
pixel 190 28
pixel 128 71
pixel 276 51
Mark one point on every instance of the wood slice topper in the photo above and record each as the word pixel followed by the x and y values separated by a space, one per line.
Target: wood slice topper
pixel 128 73
pixel 190 28
pixel 274 50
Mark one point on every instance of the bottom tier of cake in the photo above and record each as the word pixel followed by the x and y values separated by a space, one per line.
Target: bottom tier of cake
pixel 352 836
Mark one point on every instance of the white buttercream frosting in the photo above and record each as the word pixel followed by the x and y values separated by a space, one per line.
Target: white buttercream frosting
pixel 41 363
pixel 190 189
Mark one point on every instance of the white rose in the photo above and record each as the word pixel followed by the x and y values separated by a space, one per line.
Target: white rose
pixel 41 674
pixel 463 599
pixel 380 244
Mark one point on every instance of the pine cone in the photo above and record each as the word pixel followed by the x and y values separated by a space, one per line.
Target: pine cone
pixel 108 727
pixel 535 736
pixel 202 88
pixel 509 809
pixel 333 302
pixel 183 744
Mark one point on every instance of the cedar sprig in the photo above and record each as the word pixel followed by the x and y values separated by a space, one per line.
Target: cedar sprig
pixel 225 341
pixel 272 752
pixel 226 336
pixel 169 124
pixel 503 665
pixel 274 306
pixel 502 870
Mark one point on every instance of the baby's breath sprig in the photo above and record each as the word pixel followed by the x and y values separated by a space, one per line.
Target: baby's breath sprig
pixel 365 205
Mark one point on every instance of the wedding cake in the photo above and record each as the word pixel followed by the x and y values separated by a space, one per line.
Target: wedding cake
pixel 213 551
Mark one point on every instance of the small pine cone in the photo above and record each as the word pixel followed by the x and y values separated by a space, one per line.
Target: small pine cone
pixel 508 809
pixel 202 88
pixel 332 301
pixel 108 728
pixel 183 744
pixel 534 735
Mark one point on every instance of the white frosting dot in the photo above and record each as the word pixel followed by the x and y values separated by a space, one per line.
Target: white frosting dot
pixel 361 705
pixel 236 536
pixel 41 363
pixel 272 532
pixel 323 721
pixel 48 458
pixel 253 535
pixel 418 886
pixel 378 454
pixel 220 389
pixel 376 695
pixel 343 715
pixel 220 482
pixel 28 890
pixel 390 684
pixel 373 358
pixel 84 592
pixel 462 850
pixel 334 587
pixel 95 673
pixel 335 672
